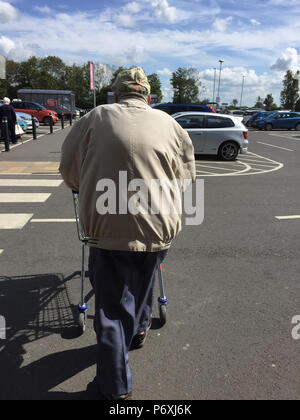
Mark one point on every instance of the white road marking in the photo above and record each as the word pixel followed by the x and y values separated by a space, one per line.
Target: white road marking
pixel 23 197
pixel 278 147
pixel 1 250
pixel 296 216
pixel 14 221
pixel 8 182
pixel 53 220
pixel 284 137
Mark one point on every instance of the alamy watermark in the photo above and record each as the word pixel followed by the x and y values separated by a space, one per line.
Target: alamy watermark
pixel 2 328
pixel 156 196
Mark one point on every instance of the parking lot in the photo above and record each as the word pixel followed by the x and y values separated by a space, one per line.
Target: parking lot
pixel 232 282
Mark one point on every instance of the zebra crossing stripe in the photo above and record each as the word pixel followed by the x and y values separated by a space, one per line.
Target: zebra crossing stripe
pixel 30 182
pixel 23 197
pixel 14 221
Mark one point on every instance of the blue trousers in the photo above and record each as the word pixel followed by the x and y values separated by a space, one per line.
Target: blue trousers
pixel 123 282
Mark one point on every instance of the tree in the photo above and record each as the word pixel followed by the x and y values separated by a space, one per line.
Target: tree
pixel 269 103
pixel 259 103
pixel 155 85
pixel 235 102
pixel 185 83
pixel 290 93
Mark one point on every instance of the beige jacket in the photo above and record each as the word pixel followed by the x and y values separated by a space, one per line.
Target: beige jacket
pixel 145 144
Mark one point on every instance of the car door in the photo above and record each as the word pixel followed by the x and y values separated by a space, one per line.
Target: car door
pixel 217 131
pixel 280 121
pixel 194 125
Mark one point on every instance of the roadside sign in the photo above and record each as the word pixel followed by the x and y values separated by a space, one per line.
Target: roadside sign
pixel 92 84
pixel 2 67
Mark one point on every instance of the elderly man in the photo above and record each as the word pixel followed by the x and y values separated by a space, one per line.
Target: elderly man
pixel 6 110
pixel 109 151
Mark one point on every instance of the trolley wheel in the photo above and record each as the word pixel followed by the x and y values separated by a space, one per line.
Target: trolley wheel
pixel 162 313
pixel 82 321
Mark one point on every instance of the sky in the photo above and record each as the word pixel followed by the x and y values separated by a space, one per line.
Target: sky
pixel 259 40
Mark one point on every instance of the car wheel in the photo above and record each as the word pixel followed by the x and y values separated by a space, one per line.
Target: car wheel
pixel 269 127
pixel 297 127
pixel 228 151
pixel 46 121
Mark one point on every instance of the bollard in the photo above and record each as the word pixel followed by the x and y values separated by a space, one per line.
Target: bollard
pixel 71 120
pixel 62 121
pixel 6 133
pixel 33 127
pixel 51 124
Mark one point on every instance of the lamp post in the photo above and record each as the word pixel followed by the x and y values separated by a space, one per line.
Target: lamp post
pixel 215 71
pixel 221 62
pixel 242 90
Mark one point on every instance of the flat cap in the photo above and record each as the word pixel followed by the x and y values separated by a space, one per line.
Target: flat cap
pixel 132 81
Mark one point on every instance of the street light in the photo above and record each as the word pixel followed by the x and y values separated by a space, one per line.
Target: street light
pixel 221 62
pixel 215 71
pixel 242 90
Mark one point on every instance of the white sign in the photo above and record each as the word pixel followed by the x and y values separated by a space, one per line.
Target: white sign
pixel 2 67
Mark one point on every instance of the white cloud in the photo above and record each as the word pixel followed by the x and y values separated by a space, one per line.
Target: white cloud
pixel 231 84
pixel 164 12
pixel 220 25
pixel 289 60
pixel 6 45
pixel 43 9
pixel 132 7
pixel 255 22
pixel 7 12
pixel 164 72
pixel 125 20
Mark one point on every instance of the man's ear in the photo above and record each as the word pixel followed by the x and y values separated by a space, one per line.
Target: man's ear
pixel 149 99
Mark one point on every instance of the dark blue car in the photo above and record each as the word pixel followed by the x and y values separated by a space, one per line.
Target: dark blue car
pixel 175 108
pixel 252 122
pixel 280 120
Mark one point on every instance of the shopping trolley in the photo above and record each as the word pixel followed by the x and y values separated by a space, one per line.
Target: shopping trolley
pixel 82 306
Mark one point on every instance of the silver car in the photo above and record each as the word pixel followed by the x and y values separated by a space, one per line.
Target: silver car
pixel 215 134
pixel 27 119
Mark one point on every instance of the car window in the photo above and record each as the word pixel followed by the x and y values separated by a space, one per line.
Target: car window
pixel 219 122
pixel 191 121
pixel 18 105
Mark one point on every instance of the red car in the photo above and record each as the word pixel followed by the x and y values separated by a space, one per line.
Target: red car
pixel 40 112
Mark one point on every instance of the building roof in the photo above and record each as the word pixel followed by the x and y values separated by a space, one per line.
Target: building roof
pixel 57 92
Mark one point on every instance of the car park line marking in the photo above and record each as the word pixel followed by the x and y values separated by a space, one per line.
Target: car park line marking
pixel 53 220
pixel 278 147
pixel 8 182
pixel 216 167
pixel 284 137
pixel 14 221
pixel 254 164
pixel 23 197
pixel 296 216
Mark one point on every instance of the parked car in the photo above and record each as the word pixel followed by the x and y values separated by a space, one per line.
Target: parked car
pixel 283 120
pixel 174 108
pixel 22 124
pixel 27 119
pixel 215 134
pixel 248 114
pixel 252 122
pixel 40 112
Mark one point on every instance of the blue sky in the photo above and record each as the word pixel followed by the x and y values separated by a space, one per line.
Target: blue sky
pixel 259 39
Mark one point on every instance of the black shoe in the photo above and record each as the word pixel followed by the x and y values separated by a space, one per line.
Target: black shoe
pixel 139 340
pixel 113 397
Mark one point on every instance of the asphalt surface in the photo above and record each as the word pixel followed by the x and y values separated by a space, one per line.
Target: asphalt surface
pixel 232 283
